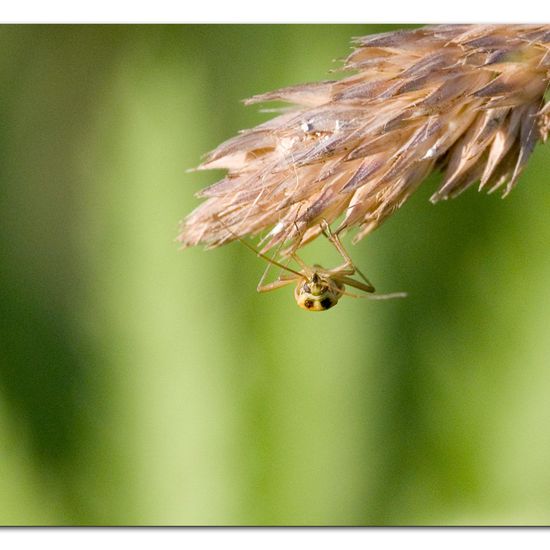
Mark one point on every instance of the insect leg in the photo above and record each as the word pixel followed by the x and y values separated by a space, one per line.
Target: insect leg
pixel 348 267
pixel 352 282
pixel 280 282
pixel 391 296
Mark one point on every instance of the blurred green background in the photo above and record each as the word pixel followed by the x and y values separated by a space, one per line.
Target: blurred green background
pixel 144 385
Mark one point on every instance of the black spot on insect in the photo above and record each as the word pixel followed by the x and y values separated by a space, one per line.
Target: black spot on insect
pixel 326 303
pixel 308 304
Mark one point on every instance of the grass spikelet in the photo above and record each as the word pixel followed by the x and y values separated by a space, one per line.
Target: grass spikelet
pixel 468 100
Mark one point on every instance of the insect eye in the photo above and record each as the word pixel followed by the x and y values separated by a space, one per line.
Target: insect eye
pixel 326 303
pixel 308 304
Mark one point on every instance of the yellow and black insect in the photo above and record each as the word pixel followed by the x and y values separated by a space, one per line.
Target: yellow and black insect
pixel 317 288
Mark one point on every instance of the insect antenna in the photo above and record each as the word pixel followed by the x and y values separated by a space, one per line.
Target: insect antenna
pixel 261 254
pixel 266 270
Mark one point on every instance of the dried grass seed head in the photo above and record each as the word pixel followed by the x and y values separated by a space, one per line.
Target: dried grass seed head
pixel 466 99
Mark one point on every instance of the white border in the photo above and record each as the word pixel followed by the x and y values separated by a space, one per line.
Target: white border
pixel 276 11
pixel 275 539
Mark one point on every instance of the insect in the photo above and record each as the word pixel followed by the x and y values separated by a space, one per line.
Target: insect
pixel 317 288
